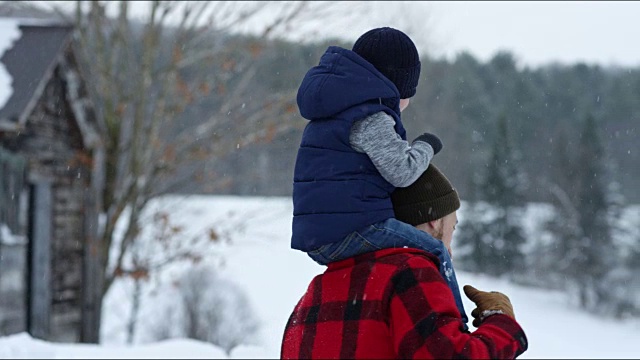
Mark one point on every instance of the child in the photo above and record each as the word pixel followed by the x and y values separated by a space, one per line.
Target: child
pixel 354 152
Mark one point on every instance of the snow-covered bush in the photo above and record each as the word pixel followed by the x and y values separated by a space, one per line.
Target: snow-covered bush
pixel 619 293
pixel 205 307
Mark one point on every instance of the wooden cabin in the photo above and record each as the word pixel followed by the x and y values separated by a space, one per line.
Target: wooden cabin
pixel 51 175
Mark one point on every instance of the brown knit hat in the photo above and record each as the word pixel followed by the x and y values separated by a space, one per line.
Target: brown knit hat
pixel 429 198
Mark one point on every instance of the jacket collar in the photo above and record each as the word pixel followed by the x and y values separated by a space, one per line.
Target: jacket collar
pixel 375 255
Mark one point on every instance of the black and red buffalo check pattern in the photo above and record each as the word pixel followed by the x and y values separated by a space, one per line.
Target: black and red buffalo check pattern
pixel 392 303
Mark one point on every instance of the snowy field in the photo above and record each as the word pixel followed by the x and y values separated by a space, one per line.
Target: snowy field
pixel 258 259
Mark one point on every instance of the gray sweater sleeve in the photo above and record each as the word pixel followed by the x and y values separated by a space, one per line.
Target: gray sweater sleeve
pixel 399 162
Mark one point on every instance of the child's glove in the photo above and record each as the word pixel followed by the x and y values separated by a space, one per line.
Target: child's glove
pixel 432 140
pixel 488 303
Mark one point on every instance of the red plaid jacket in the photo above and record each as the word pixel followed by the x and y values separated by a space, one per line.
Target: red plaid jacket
pixel 392 303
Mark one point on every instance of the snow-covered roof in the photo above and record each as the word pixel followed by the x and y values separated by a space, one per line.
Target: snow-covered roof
pixel 28 52
pixel 9 238
pixel 9 33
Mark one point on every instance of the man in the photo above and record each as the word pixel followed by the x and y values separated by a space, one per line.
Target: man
pixel 395 303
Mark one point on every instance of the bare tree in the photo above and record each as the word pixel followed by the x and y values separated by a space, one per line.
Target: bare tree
pixel 138 78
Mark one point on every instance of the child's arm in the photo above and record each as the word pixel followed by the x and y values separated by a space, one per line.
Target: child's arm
pixel 399 162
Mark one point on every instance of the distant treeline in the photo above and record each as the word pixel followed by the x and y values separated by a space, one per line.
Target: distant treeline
pixel 462 101
pixel 561 136
pixel 545 108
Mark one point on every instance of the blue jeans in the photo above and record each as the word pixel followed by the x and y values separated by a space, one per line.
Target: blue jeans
pixel 392 233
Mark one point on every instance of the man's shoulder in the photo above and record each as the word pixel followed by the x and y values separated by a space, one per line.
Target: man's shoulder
pixel 409 258
pixel 400 270
pixel 386 261
pixel 392 259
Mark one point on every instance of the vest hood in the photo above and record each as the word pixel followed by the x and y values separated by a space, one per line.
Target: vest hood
pixel 341 80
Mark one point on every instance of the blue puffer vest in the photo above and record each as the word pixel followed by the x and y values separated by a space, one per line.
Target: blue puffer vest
pixel 337 190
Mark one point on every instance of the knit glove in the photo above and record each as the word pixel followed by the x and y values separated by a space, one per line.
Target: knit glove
pixel 432 140
pixel 488 303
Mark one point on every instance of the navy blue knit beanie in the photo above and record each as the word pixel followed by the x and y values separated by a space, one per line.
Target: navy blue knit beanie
pixel 393 53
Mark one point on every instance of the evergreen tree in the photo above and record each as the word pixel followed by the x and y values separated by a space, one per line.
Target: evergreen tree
pixel 593 206
pixel 551 261
pixel 492 236
pixel 582 223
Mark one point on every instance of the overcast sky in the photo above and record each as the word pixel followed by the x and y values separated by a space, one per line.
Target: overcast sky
pixel 536 32
pixel 604 32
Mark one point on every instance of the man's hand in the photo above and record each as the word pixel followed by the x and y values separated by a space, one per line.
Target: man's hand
pixel 488 303
pixel 432 140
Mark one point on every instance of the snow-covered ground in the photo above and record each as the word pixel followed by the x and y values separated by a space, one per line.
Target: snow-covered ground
pixel 259 260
